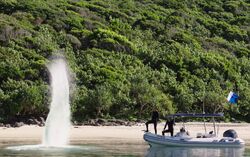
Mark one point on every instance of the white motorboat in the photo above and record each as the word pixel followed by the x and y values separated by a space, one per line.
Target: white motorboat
pixel 229 139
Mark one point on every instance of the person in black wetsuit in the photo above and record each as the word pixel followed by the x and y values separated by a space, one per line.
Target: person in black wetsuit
pixel 170 124
pixel 154 120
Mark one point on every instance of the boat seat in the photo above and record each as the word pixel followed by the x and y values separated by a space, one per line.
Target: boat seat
pixel 200 135
pixel 209 135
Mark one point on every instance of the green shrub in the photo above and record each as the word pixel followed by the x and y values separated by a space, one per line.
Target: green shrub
pixel 110 40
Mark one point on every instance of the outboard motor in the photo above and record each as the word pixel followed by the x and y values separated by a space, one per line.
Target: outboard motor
pixel 230 133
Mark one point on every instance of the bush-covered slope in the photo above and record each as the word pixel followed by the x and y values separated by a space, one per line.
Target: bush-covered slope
pixel 128 56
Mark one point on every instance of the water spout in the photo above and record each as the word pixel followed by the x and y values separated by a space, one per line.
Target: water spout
pixel 57 124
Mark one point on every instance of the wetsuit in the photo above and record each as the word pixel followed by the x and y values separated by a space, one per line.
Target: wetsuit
pixel 154 119
pixel 170 129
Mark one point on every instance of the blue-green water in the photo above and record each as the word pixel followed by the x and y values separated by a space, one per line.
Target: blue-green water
pixel 197 152
pixel 115 149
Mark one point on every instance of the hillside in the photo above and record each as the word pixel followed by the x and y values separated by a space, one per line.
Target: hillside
pixel 127 57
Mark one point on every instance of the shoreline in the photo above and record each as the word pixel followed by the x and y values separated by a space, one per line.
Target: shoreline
pixel 92 134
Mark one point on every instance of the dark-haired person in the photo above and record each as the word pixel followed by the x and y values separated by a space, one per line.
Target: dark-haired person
pixel 170 124
pixel 154 120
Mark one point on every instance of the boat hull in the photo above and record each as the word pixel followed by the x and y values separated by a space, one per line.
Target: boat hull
pixel 158 140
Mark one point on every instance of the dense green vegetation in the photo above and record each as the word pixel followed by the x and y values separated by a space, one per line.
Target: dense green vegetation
pixel 127 57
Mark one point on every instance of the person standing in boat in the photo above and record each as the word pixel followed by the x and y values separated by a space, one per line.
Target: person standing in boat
pixel 170 123
pixel 154 120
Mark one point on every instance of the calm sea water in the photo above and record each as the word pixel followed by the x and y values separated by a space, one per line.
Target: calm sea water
pixel 117 149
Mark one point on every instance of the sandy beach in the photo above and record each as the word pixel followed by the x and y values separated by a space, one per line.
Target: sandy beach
pixel 115 133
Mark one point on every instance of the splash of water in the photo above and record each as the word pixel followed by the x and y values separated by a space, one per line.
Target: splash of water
pixel 57 124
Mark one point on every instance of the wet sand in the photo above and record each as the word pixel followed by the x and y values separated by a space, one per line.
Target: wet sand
pixel 116 133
